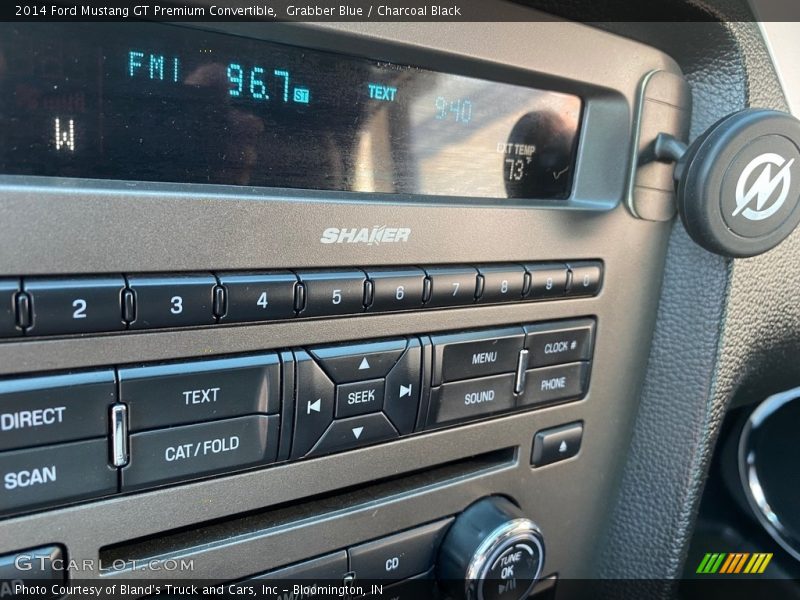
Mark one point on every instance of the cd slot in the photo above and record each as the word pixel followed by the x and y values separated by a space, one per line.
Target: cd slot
pixel 244 527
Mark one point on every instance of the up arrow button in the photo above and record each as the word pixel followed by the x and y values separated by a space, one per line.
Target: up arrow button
pixel 357 362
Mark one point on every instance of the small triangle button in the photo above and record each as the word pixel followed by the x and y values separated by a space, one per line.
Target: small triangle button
pixel 557 443
pixel 345 434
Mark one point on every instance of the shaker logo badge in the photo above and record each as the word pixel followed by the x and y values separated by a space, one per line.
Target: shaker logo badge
pixel 380 234
pixel 763 188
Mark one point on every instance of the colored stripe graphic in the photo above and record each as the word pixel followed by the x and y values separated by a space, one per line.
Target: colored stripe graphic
pixel 728 564
pixel 740 563
pixel 711 562
pixel 734 563
pixel 765 563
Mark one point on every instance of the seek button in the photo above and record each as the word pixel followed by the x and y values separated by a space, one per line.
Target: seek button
pixel 359 398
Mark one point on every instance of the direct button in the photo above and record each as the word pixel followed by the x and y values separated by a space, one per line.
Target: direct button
pixel 471 399
pixel 359 398
pixel 356 362
pixel 192 451
pixel 177 393
pixel 557 443
pixel 258 296
pixel 55 475
pixel 55 408
pixel 61 306
pixel 399 556
pixel 475 353
pixel 173 300
pixel 554 384
pixel 555 343
pixel 8 318
pixel 43 566
pixel 346 434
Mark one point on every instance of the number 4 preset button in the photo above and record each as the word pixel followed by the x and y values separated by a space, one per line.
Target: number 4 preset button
pixel 61 306
pixel 258 296
pixel 173 300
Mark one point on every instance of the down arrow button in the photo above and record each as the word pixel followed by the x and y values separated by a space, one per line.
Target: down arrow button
pixel 346 434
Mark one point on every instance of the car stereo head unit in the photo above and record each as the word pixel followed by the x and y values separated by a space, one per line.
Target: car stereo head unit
pixel 150 102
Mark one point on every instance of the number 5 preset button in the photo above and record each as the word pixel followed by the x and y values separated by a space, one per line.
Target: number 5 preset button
pixel 258 296
pixel 84 305
pixel 172 300
pixel 332 292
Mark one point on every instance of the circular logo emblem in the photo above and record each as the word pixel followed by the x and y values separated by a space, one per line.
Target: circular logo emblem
pixel 763 186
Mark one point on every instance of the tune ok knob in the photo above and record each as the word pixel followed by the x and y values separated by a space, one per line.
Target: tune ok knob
pixel 491 552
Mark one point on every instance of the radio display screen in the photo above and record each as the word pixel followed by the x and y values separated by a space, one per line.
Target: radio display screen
pixel 157 102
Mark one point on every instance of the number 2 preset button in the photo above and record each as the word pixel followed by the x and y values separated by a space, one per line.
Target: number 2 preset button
pixel 258 296
pixel 332 292
pixel 60 306
pixel 173 300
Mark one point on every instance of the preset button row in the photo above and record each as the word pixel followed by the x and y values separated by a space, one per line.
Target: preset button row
pixel 34 306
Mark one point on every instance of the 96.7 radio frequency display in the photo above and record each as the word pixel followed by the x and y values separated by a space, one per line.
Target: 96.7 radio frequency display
pixel 156 102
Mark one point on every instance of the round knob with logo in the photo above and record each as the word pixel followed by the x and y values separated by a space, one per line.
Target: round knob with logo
pixel 491 552
pixel 738 184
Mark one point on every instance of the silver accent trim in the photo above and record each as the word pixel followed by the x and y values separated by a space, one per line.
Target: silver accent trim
pixel 498 540
pixel 522 362
pixel 748 473
pixel 119 435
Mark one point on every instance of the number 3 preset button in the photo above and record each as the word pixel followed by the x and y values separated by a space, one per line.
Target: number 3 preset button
pixel 172 300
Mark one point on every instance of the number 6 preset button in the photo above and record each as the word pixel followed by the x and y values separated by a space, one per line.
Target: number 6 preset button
pixel 172 300
pixel 84 305
pixel 396 289
pixel 332 292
